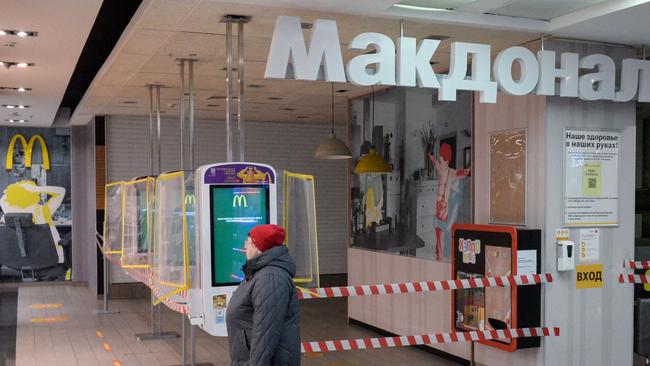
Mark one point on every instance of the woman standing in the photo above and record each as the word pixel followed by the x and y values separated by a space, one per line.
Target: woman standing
pixel 263 317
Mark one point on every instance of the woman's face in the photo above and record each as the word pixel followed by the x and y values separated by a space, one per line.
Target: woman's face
pixel 251 249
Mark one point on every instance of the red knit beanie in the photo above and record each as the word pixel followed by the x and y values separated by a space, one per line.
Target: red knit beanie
pixel 267 236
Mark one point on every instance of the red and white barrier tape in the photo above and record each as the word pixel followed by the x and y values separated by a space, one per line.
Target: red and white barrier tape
pixel 145 276
pixel 389 342
pixel 424 286
pixel 632 278
pixel 636 264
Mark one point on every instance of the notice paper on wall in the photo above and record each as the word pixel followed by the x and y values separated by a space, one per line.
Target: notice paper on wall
pixel 591 177
pixel 526 262
pixel 589 248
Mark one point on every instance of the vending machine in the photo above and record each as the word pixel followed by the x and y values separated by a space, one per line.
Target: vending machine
pixel 231 199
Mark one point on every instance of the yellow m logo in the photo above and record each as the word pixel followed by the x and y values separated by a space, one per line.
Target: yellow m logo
pixel 190 199
pixel 29 150
pixel 238 200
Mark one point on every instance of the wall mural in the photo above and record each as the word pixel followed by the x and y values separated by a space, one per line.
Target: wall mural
pixel 427 143
pixel 35 216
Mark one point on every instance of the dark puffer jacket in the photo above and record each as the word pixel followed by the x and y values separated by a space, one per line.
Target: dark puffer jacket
pixel 263 317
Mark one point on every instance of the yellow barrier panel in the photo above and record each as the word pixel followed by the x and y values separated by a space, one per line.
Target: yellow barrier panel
pixel 171 261
pixel 138 220
pixel 301 227
pixel 113 218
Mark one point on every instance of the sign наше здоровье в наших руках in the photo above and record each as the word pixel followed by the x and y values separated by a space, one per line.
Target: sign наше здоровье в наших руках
pixel 406 63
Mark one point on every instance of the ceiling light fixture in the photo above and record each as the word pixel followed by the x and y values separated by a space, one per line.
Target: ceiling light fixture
pixel 274 98
pixel 9 64
pixel 332 148
pixel 19 89
pixel 16 121
pixel 12 106
pixel 372 162
pixel 343 90
pixel 420 8
pixel 19 33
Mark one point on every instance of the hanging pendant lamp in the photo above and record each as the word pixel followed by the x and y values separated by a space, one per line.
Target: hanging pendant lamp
pixel 372 163
pixel 332 148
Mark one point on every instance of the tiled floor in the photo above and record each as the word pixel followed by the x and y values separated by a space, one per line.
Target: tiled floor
pixel 73 335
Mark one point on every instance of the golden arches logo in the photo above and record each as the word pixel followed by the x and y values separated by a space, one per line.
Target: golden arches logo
pixel 238 200
pixel 29 151
pixel 190 199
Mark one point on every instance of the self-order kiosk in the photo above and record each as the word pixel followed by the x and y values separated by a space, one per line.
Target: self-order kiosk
pixel 231 199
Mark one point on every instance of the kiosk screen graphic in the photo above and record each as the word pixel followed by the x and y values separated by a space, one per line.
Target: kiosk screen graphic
pixel 234 211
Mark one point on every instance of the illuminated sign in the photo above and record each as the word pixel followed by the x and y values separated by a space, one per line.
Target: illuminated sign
pixel 29 150
pixel 238 200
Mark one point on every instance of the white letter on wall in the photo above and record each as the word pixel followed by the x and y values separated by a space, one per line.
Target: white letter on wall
pixel 529 70
pixel 413 63
pixel 288 40
pixel 357 67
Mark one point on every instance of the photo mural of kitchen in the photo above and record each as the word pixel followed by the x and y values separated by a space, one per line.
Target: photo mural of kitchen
pixel 410 209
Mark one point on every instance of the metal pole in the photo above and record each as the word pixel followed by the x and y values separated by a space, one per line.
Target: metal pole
pixel 193 338
pixel 472 362
pixel 159 169
pixel 150 129
pixel 182 111
pixel 191 90
pixel 106 284
pixel 229 142
pixel 183 341
pixel 240 73
pixel 401 27
pixel 106 271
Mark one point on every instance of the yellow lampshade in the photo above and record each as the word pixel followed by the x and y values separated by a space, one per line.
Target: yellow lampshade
pixel 372 163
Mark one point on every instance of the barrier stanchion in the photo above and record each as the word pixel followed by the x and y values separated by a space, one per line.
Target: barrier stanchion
pixel 106 280
pixel 426 339
pixel 423 286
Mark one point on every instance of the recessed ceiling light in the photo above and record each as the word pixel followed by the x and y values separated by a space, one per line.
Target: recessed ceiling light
pixel 288 109
pixel 420 8
pixel 12 106
pixel 19 33
pixel 22 107
pixel 212 105
pixel 343 90
pixel 274 98
pixel 16 120
pixel 213 97
pixel 9 64
pixel 255 86
pixel 20 89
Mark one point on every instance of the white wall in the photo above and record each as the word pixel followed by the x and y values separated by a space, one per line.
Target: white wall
pixel 596 324
pixel 286 146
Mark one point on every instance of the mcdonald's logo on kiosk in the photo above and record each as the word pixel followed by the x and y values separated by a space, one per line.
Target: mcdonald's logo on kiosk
pixel 29 151
pixel 238 200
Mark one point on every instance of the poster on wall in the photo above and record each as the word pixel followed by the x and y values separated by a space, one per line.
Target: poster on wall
pixel 508 177
pixel 591 177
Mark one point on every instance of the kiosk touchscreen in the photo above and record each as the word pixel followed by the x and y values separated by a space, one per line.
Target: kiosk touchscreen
pixel 232 198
